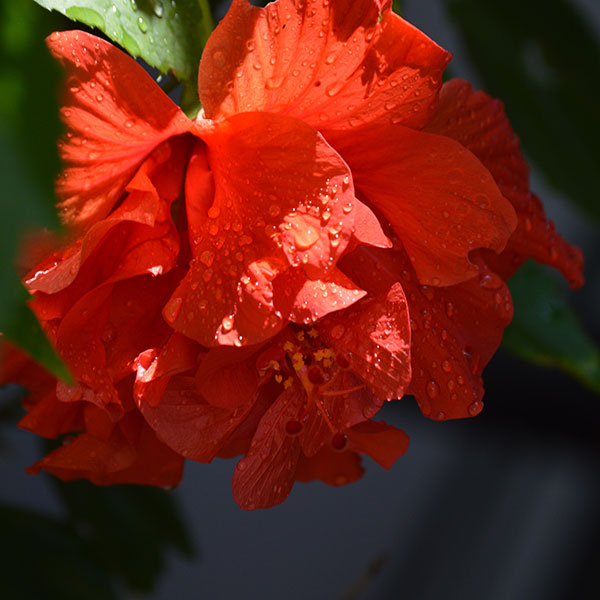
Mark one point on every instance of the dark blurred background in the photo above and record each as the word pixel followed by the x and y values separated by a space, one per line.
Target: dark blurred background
pixel 501 507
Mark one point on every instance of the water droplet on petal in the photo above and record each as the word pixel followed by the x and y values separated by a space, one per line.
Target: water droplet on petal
pixel 433 389
pixel 227 323
pixel 172 309
pixel 475 408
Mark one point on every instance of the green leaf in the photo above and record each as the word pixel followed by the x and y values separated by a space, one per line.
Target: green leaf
pixel 129 527
pixel 543 61
pixel 29 127
pixel 397 6
pixel 167 34
pixel 545 331
pixel 43 557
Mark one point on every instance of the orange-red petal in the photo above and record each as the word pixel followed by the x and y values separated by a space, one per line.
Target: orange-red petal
pixel 265 476
pixel 439 199
pixel 115 116
pixel 382 442
pixel 479 123
pixel 374 337
pixel 132 454
pixel 283 198
pixel 188 424
pixel 331 467
pixel 335 65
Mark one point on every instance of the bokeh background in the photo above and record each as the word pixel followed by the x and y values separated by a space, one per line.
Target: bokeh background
pixel 501 507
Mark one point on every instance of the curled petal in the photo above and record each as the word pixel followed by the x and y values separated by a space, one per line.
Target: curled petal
pixel 335 65
pixel 258 225
pixel 451 207
pixel 383 443
pixel 115 116
pixel 479 123
pixel 137 237
pixel 132 454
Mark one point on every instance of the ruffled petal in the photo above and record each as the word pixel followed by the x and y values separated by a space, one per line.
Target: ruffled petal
pixel 258 225
pixel 439 199
pixel 374 337
pixel 335 65
pixel 383 443
pixel 137 237
pixel 479 123
pixel 265 476
pixel 50 418
pixel 117 460
pixel 115 116
pixel 154 368
pixel 188 424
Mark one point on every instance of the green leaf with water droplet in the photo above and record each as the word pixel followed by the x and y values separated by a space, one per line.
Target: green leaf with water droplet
pixel 545 330
pixel 167 34
pixel 29 127
pixel 542 60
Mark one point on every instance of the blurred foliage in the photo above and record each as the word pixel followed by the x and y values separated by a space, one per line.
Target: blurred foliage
pixel 543 61
pixel 29 127
pixel 167 34
pixel 110 538
pixel 128 528
pixel 544 329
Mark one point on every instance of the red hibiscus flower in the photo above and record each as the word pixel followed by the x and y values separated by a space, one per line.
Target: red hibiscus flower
pixel 334 230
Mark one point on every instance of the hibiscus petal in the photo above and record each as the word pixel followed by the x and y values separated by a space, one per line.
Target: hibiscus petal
pixel 51 418
pixel 115 116
pixel 456 331
pixel 440 200
pixel 374 336
pixel 188 424
pixel 154 369
pixel 382 442
pixel 344 403
pixel 479 123
pixel 226 378
pixel 335 65
pixel 118 460
pixel 283 198
pixel 133 249
pixel 305 300
pixel 331 467
pixel 265 476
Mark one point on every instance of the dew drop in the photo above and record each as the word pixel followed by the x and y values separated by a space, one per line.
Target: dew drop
pixel 219 58
pixel 433 389
pixel 172 309
pixel 142 24
pixel 334 88
pixel 227 323
pixel 214 212
pixel 475 408
pixel 158 9
pixel 306 238
pixel 491 281
pixel 207 257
